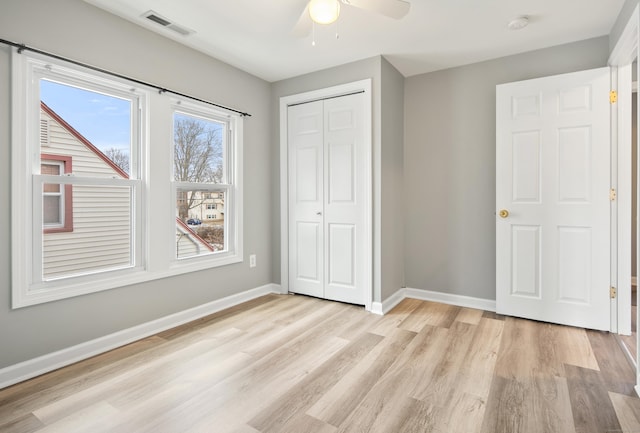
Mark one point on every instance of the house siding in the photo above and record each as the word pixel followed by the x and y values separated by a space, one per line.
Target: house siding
pixel 101 235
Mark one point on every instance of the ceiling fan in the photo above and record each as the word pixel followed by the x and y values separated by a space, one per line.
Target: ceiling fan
pixel 327 11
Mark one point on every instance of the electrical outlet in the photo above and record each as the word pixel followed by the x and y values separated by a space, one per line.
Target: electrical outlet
pixel 252 261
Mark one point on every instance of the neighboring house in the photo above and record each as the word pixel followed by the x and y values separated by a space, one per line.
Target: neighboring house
pixel 209 207
pixel 97 218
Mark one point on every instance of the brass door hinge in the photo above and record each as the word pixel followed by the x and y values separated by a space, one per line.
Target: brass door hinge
pixel 612 194
pixel 613 292
pixel 613 96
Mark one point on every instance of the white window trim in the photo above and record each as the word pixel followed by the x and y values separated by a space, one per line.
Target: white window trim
pixel 27 287
pixel 232 173
pixel 150 265
pixel 60 193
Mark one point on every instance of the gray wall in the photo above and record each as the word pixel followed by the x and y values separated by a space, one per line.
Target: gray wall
pixel 392 188
pixel 449 165
pixel 75 29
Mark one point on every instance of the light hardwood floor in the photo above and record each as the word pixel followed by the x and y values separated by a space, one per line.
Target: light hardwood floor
pixel 295 364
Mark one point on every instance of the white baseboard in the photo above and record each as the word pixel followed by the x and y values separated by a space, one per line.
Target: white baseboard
pixel 448 298
pixel 52 361
pixel 428 295
pixel 382 308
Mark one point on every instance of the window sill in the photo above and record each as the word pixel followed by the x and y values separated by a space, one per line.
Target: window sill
pixel 86 284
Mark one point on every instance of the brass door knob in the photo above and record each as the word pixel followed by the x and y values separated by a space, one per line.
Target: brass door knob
pixel 503 213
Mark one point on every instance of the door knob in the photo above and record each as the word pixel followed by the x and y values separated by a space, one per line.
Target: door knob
pixel 318 213
pixel 503 213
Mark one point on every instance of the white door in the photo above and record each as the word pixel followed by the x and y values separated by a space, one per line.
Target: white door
pixel 552 199
pixel 326 199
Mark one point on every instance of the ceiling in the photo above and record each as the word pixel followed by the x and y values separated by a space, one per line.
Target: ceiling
pixel 255 35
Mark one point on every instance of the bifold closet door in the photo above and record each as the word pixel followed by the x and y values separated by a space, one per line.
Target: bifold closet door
pixel 326 199
pixel 306 199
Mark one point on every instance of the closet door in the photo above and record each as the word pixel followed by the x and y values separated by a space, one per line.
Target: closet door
pixel 306 199
pixel 344 211
pixel 327 213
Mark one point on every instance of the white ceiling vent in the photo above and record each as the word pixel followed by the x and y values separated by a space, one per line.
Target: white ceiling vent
pixel 159 19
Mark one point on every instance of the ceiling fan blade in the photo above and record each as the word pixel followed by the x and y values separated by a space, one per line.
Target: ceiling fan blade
pixel 392 8
pixel 303 26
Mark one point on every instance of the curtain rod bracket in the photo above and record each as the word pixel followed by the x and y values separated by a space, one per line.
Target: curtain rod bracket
pixel 21 48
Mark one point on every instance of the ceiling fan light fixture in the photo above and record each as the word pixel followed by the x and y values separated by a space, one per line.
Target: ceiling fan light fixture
pixel 324 11
pixel 518 23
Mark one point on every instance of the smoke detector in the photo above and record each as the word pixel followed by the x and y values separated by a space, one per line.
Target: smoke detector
pixel 518 23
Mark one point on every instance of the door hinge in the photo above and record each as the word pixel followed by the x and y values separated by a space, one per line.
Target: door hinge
pixel 613 96
pixel 613 292
pixel 612 194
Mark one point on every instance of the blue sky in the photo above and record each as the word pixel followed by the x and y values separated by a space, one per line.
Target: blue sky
pixel 104 120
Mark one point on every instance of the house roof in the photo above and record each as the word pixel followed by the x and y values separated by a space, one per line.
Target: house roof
pixel 185 227
pixel 81 138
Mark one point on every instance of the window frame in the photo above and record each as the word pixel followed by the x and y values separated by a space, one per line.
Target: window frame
pixel 154 245
pixel 66 193
pixel 29 285
pixel 231 186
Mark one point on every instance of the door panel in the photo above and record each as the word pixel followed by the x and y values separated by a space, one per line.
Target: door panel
pixel 526 261
pixel 344 207
pixel 342 251
pixel 341 172
pixel 306 195
pixel 308 185
pixel 553 178
pixel 526 167
pixel 308 246
pixel 574 164
pixel 574 254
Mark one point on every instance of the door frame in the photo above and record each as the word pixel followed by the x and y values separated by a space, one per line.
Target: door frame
pixel 621 58
pixel 314 95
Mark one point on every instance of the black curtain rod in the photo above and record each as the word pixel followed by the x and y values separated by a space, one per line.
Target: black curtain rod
pixel 23 47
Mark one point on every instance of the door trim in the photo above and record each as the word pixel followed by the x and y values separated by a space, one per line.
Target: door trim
pixel 622 56
pixel 329 92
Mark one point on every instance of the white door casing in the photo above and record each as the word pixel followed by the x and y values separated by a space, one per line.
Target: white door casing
pixel 553 178
pixel 327 206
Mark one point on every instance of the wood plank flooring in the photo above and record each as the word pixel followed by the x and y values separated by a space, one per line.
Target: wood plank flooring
pixel 292 364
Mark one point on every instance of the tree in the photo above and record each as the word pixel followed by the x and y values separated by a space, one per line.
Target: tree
pixel 197 158
pixel 119 158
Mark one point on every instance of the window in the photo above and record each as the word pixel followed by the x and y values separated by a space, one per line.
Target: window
pixel 86 215
pixel 203 154
pixel 57 201
pixel 103 238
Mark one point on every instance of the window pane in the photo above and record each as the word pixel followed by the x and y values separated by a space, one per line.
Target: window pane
pixel 93 127
pixel 51 169
pixel 198 149
pixel 52 188
pixel 101 237
pixel 199 232
pixel 51 209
